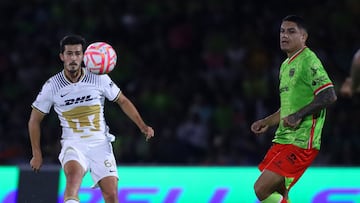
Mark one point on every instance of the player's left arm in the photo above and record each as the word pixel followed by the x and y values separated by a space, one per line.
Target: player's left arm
pixel 321 101
pixel 130 110
pixel 34 126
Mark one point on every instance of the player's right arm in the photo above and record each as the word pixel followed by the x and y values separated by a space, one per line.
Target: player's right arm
pixel 262 125
pixel 34 126
pixel 40 107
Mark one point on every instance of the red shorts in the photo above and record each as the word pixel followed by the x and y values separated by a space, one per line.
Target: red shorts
pixel 289 161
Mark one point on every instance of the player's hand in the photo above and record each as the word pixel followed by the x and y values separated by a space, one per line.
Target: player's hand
pixel 36 163
pixel 148 132
pixel 259 127
pixel 291 121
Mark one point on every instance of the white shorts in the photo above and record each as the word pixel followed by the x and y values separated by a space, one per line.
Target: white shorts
pixel 95 156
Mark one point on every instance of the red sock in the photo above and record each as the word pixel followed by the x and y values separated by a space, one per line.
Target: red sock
pixel 284 201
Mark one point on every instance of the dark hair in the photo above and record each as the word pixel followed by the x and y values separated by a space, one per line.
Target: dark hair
pixel 300 22
pixel 72 39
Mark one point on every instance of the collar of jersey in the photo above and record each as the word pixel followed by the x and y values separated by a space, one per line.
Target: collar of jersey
pixel 83 71
pixel 296 54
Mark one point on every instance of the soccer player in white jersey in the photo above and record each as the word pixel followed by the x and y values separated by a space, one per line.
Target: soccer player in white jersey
pixel 77 96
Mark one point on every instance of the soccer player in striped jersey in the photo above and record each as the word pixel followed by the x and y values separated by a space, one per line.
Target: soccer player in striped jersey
pixel 305 92
pixel 78 96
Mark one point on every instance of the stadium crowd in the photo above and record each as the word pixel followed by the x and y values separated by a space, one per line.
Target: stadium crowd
pixel 199 71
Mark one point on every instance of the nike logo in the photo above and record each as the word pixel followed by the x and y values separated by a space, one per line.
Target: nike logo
pixel 63 95
pixel 111 171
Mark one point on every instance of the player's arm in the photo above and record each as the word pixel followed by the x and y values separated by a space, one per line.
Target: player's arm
pixel 130 110
pixel 262 125
pixel 321 101
pixel 355 73
pixel 34 126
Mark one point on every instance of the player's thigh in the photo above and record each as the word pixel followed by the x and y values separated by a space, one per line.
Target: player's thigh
pixel 74 165
pixel 72 151
pixel 269 182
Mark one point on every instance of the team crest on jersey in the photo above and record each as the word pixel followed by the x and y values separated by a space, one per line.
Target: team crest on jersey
pixel 291 72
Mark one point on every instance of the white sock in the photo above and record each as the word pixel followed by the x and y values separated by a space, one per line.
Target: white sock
pixel 71 201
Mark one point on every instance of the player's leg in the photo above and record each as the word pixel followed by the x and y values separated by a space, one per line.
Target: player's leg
pixel 74 173
pixel 104 170
pixel 284 191
pixel 268 187
pixel 74 166
pixel 271 185
pixel 282 167
pixel 109 189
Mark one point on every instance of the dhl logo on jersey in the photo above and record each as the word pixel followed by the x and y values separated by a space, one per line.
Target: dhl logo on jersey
pixel 78 100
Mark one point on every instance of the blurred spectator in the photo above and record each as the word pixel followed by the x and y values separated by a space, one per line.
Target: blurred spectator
pixel 193 138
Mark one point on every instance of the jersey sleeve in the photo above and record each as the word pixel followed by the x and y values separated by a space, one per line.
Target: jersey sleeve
pixel 44 99
pixel 111 90
pixel 317 77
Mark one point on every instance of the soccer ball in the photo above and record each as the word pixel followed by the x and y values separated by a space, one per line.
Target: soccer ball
pixel 100 58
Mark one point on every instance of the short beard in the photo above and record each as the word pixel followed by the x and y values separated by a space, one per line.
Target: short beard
pixel 73 68
pixel 73 71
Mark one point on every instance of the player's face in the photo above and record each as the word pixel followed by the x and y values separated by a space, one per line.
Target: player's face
pixel 292 38
pixel 72 57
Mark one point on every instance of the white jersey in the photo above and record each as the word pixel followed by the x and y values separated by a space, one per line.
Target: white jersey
pixel 80 105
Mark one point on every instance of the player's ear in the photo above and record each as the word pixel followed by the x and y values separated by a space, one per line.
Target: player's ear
pixel 304 36
pixel 61 55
